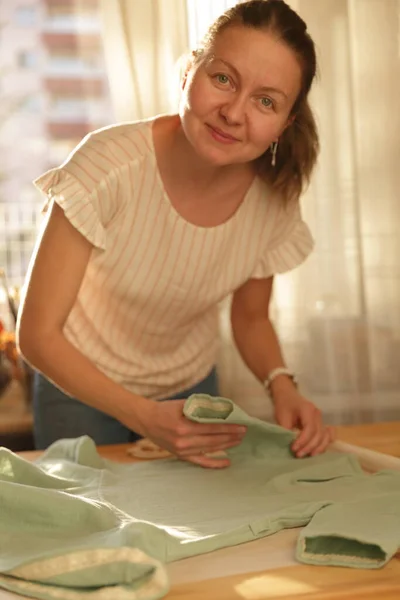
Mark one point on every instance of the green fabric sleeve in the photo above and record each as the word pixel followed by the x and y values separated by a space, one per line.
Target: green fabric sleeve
pixel 362 534
pixel 264 439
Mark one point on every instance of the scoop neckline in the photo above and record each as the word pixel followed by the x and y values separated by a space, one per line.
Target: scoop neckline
pixel 229 222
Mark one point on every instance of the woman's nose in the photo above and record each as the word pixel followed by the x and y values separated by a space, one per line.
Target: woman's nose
pixel 233 111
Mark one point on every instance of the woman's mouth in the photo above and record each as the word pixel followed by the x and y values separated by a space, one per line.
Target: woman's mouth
pixel 221 136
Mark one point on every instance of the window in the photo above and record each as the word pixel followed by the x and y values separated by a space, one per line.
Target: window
pixel 55 90
pixel 31 104
pixel 27 59
pixel 26 16
pixel 74 63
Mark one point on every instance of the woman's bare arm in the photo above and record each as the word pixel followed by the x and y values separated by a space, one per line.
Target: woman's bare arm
pixel 53 282
pixel 259 347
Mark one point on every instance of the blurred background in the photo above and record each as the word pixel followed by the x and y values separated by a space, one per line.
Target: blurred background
pixel 68 67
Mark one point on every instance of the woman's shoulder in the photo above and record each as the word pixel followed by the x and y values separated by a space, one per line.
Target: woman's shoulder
pixel 102 155
pixel 114 145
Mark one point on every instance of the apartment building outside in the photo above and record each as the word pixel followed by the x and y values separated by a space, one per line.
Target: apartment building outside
pixel 53 91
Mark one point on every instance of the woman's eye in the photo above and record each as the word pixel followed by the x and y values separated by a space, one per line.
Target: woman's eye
pixel 224 79
pixel 266 102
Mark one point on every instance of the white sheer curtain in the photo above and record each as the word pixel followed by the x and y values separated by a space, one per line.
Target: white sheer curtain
pixel 338 315
pixel 143 40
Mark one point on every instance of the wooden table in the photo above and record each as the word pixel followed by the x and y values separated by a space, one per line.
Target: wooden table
pixel 296 581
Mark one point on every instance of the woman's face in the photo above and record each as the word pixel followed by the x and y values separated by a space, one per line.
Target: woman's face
pixel 237 100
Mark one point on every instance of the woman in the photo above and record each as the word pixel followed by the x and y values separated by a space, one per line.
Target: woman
pixel 153 223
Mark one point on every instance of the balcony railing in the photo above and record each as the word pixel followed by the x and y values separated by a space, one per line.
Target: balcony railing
pixel 72 70
pixel 72 24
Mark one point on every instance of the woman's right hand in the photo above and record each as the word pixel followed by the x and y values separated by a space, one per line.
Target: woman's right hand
pixel 165 424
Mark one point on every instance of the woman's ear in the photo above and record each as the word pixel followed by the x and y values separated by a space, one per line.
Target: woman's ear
pixel 290 121
pixel 184 78
pixel 187 62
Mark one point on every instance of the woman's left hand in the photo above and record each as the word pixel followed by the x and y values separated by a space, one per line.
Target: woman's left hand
pixel 293 411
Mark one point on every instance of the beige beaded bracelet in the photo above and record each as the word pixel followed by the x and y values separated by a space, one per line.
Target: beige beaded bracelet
pixel 274 373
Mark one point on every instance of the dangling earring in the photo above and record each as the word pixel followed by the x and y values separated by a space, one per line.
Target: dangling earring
pixel 274 150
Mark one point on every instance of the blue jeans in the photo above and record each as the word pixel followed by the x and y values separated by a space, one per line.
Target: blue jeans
pixel 56 415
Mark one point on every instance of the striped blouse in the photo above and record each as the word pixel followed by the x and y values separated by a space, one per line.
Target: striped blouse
pixel 147 310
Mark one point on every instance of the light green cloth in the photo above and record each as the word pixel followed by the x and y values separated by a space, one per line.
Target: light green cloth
pixel 73 525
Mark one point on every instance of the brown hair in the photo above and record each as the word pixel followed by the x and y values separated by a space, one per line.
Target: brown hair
pixel 298 144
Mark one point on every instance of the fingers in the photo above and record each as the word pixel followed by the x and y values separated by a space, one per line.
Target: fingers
pixel 189 428
pixel 210 450
pixel 192 439
pixel 170 429
pixel 314 437
pixel 205 443
pixel 310 422
pixel 323 444
pixel 208 462
pixel 211 462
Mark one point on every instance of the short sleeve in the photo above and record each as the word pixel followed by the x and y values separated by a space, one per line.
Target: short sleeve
pixel 288 246
pixel 85 209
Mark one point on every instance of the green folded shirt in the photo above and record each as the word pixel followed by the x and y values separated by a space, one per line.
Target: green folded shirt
pixel 73 525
